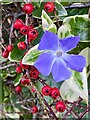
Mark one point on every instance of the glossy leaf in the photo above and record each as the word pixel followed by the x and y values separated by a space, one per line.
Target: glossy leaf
pixel 31 56
pixel 17 79
pixel 60 9
pixel 74 87
pixel 47 23
pixel 16 54
pixel 64 31
pixel 79 25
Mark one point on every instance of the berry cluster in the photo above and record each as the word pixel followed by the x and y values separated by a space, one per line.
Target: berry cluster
pixel 6 52
pixel 54 93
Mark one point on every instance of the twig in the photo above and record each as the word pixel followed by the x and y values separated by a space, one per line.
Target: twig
pixel 77 5
pixel 41 96
pixel 57 19
pixel 74 105
pixel 7 66
pixel 83 113
pixel 11 31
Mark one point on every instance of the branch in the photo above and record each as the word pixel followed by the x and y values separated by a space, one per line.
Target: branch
pixel 7 66
pixel 83 113
pixel 74 105
pixel 79 5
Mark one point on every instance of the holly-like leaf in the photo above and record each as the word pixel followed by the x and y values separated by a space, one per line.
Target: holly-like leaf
pixel 16 54
pixel 47 23
pixel 31 55
pixel 79 25
pixel 60 9
pixel 64 31
pixel 74 87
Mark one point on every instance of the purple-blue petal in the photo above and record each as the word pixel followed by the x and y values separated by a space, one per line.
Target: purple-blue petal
pixel 44 63
pixel 75 62
pixel 49 41
pixel 59 71
pixel 68 44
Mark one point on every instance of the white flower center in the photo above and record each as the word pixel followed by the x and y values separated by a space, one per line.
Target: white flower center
pixel 58 53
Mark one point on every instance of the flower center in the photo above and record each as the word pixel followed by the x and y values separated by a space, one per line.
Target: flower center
pixel 58 53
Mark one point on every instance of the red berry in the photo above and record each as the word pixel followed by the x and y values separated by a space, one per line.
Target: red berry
pixel 49 7
pixel 32 89
pixel 23 66
pixel 21 45
pixel 18 24
pixel 60 106
pixel 32 34
pixel 34 109
pixel 5 54
pixel 9 48
pixel 30 27
pixel 34 73
pixel 25 82
pixel 55 92
pixel 18 89
pixel 18 69
pixel 24 30
pixel 28 8
pixel 46 90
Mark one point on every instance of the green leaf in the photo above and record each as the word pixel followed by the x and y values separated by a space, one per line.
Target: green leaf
pixel 1 58
pixel 76 86
pixel 16 55
pixel 31 56
pixel 79 25
pixel 60 9
pixel 47 23
pixel 64 31
pixel 17 79
pixel 85 52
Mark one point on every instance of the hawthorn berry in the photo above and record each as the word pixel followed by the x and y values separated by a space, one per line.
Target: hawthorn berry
pixel 32 34
pixel 32 89
pixel 18 24
pixel 30 27
pixel 34 73
pixel 23 66
pixel 21 45
pixel 49 7
pixel 46 90
pixel 18 69
pixel 34 109
pixel 24 30
pixel 18 89
pixel 5 54
pixel 9 48
pixel 28 8
pixel 25 82
pixel 60 106
pixel 55 92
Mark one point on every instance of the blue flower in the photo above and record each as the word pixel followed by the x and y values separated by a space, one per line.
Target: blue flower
pixel 55 59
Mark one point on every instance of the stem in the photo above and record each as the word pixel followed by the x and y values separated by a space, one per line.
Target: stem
pixel 86 111
pixel 7 66
pixel 78 5
pixel 74 105
pixel 41 96
pixel 57 19
pixel 26 37
pixel 11 31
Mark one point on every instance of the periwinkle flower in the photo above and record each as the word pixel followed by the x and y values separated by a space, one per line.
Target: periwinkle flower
pixel 55 59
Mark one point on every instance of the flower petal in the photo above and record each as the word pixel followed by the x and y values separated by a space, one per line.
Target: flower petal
pixel 59 71
pixel 44 63
pixel 75 62
pixel 49 41
pixel 68 44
